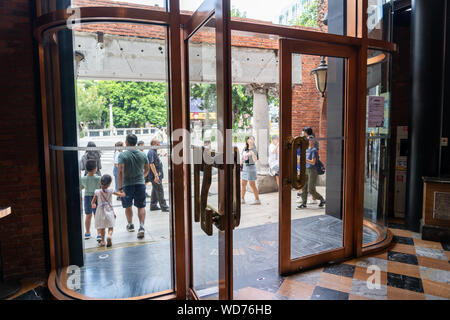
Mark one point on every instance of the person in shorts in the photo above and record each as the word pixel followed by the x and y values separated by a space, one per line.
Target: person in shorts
pixel 133 168
pixel 89 183
pixel 274 156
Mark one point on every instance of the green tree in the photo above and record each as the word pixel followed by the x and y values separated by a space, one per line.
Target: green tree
pixel 242 103
pixel 90 105
pixel 135 103
pixel 309 16
pixel 242 107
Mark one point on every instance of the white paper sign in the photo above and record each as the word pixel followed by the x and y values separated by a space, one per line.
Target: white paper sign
pixel 376 111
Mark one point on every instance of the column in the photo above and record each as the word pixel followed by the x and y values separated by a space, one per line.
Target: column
pixel 427 60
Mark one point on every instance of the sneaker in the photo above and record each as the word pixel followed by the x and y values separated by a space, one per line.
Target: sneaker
pixel 302 206
pixel 108 242
pixel 243 201
pixel 256 202
pixel 141 233
pixel 130 227
pixel 99 238
pixel 165 210
pixel 321 204
pixel 87 236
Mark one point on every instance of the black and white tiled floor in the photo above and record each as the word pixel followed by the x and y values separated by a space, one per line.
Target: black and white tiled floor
pixel 411 269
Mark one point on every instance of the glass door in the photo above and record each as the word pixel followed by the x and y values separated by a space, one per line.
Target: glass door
pixel 212 175
pixel 317 161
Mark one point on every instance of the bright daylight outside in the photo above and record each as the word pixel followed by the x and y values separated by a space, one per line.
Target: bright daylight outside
pixel 121 75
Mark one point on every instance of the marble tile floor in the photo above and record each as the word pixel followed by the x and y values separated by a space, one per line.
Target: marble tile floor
pixel 408 271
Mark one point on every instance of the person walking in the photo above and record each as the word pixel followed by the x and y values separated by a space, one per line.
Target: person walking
pixel 307 132
pixel 274 156
pixel 91 155
pixel 116 165
pixel 312 156
pixel 249 174
pixel 155 177
pixel 133 168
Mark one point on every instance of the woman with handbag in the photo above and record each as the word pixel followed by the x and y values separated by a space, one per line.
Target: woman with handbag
pixel 249 174
pixel 312 157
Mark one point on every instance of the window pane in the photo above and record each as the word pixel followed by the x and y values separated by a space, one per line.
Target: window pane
pixel 379 19
pixel 111 83
pixel 377 139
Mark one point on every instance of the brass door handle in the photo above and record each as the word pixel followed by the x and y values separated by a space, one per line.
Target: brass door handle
pixel 298 176
pixel 204 213
pixel 236 189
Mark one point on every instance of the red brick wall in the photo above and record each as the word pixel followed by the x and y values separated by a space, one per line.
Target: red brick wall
pixel 308 106
pixel 21 234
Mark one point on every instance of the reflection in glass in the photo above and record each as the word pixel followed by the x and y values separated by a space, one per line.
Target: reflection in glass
pixel 256 114
pixel 377 138
pixel 379 19
pixel 203 129
pixel 316 210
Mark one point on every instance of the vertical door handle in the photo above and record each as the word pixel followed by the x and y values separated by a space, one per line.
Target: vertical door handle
pixel 236 189
pixel 298 176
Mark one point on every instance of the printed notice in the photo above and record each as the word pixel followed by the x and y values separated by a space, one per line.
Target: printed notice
pixel 376 111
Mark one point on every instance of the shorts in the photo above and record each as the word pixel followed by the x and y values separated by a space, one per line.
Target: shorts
pixel 249 173
pixel 275 170
pixel 88 205
pixel 134 194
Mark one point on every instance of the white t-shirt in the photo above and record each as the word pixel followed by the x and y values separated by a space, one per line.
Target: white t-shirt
pixel 273 157
pixel 116 157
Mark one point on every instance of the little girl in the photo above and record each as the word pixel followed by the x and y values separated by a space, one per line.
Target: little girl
pixel 105 216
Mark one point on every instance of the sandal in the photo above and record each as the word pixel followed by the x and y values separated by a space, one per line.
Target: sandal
pixel 108 242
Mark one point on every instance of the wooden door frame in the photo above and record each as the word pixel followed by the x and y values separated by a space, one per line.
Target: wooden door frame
pixel 217 13
pixel 351 113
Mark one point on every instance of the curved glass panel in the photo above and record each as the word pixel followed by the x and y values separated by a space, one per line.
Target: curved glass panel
pixel 52 5
pixel 379 19
pixel 377 139
pixel 103 82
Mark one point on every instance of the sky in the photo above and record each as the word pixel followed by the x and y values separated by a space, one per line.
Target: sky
pixel 267 10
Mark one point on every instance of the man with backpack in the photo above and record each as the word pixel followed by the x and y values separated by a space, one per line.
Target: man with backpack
pixel 312 161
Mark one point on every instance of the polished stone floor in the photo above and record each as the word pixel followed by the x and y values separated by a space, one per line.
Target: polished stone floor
pixel 146 268
pixel 411 269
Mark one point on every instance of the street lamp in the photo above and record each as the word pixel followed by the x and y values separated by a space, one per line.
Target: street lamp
pixel 320 76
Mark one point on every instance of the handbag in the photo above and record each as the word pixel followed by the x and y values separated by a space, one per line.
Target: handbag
pixel 320 168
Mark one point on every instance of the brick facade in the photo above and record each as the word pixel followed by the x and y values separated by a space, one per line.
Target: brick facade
pixel 22 233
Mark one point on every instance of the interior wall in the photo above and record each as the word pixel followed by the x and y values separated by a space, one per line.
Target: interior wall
pixel 21 233
pixel 401 89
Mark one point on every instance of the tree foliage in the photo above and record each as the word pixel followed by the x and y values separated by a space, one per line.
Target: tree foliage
pixel 241 102
pixel 90 105
pixel 310 15
pixel 134 104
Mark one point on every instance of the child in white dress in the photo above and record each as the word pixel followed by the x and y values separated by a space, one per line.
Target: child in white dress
pixel 105 217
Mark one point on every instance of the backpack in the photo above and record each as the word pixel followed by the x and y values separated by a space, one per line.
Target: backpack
pixel 320 167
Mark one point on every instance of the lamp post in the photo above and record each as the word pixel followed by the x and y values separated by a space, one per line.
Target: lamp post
pixel 320 76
